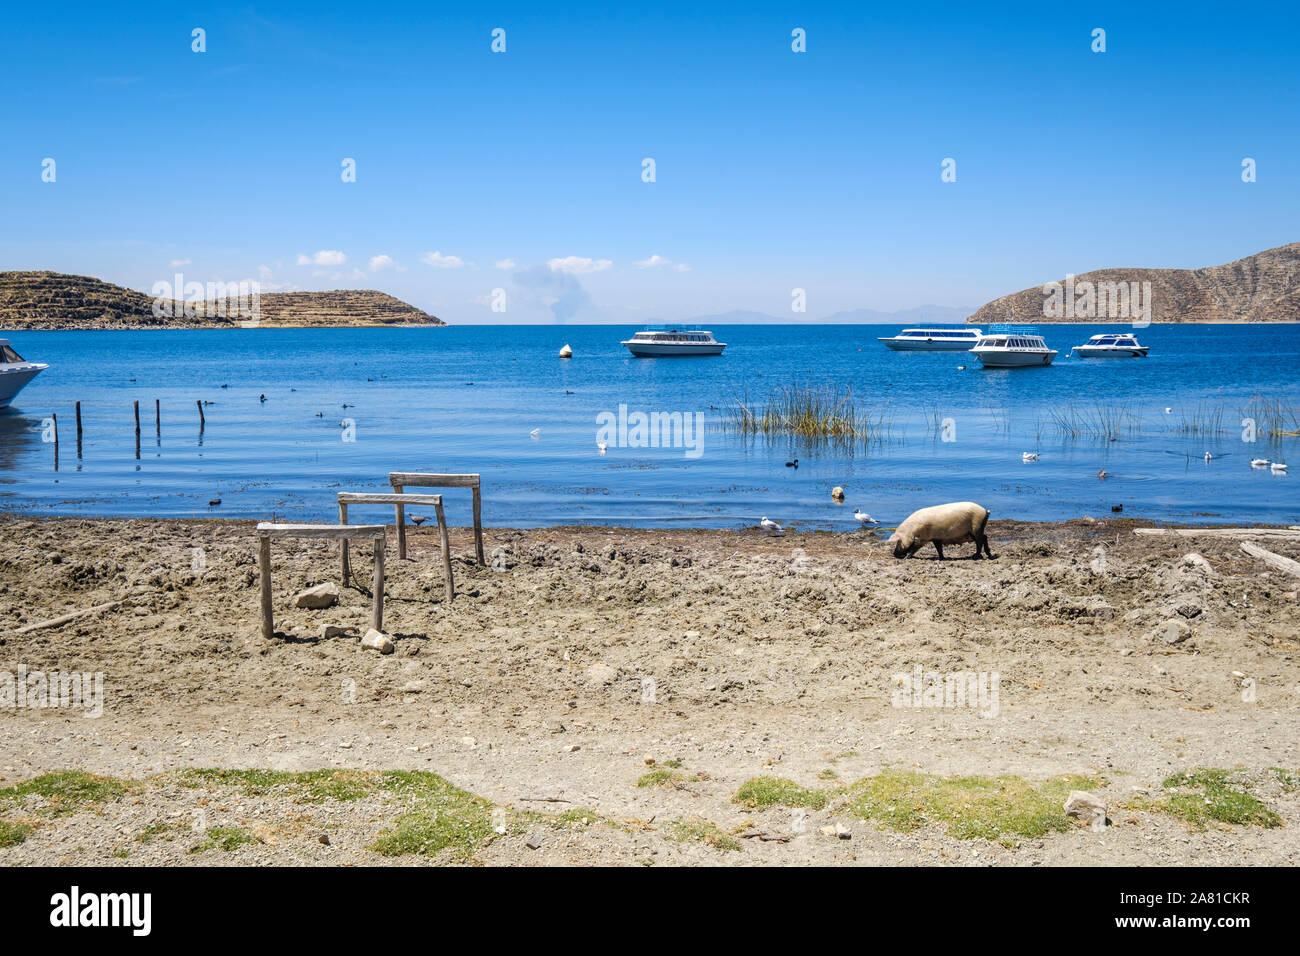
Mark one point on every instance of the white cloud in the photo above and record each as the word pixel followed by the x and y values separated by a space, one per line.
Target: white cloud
pixel 177 263
pixel 439 261
pixel 326 257
pixel 577 265
pixel 381 262
pixel 659 262
pixel 506 264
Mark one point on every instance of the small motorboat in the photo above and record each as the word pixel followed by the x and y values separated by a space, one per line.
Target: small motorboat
pixel 15 372
pixel 934 340
pixel 1013 350
pixel 652 344
pixel 1112 345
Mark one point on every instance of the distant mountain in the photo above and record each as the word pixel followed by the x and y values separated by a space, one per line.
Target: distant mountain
pixel 53 300
pixel 1264 287
pixel 921 315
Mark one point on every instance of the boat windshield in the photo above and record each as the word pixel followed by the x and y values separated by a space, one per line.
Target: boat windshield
pixel 9 354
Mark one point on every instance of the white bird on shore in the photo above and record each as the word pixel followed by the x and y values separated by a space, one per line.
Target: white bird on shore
pixel 863 517
pixel 767 524
pixel 1278 466
pixel 1029 456
pixel 1259 463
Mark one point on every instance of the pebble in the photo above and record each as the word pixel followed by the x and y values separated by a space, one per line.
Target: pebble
pixel 377 641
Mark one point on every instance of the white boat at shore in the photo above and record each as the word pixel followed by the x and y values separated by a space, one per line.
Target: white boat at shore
pixel 1112 345
pixel 15 372
pixel 674 342
pixel 933 340
pixel 1020 349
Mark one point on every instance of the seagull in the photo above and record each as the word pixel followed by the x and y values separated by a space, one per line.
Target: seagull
pixel 601 447
pixel 214 502
pixel 418 520
pixel 768 525
pixel 1029 456
pixel 535 433
pixel 1208 456
pixel 792 464
pixel 961 368
pixel 1102 474
pixel 863 517
pixel 1169 411
pixel 1278 466
pixel 261 398
pixel 1259 463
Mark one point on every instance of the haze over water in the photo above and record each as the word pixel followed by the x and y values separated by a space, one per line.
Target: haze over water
pixel 465 399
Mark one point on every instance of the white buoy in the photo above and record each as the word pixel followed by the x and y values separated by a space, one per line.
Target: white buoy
pixel 566 352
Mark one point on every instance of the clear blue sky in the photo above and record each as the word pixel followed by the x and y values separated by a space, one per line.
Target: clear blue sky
pixel 775 170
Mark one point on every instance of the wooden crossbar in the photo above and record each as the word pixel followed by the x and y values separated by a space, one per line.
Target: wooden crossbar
pixel 267 531
pixel 400 502
pixel 400 479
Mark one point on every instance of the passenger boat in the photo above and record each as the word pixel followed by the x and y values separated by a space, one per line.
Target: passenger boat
pixel 1112 345
pixel 15 372
pixel 934 340
pixel 1016 349
pixel 664 344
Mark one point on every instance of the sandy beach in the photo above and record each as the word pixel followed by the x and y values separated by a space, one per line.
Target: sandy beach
pixel 605 695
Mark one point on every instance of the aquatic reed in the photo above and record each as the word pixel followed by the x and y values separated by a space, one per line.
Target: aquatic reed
pixel 821 413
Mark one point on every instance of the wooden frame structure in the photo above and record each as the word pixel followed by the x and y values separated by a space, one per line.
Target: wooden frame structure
pixel 266 531
pixel 400 479
pixel 399 502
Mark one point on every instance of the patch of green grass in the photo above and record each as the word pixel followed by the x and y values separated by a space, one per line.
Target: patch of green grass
pixel 224 838
pixel 993 808
pixel 669 778
pixel 702 831
pixel 1208 793
pixel 763 792
pixel 66 791
pixel 828 774
pixel 309 786
pixel 1290 779
pixel 13 833
pixel 672 763
pixel 157 830
pixel 445 817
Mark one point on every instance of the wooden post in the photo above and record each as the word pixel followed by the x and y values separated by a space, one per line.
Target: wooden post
pixel 202 420
pixel 157 418
pixel 78 429
pixel 401 525
pixel 137 416
pixel 377 614
pixel 446 554
pixel 343 519
pixel 264 562
pixel 478 525
pixel 56 440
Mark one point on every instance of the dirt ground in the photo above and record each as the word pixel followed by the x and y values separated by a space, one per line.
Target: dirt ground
pixel 581 658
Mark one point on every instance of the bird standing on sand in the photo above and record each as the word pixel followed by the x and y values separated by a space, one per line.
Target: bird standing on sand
pixel 769 525
pixel 418 520
pixel 863 517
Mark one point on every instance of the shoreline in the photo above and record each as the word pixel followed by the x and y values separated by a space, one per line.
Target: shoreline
pixel 227 327
pixel 1124 659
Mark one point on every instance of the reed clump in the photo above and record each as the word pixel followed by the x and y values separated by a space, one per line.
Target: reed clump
pixel 818 413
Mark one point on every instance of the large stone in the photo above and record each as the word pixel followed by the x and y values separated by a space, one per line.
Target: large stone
pixel 1172 631
pixel 1085 806
pixel 377 641
pixel 336 630
pixel 321 596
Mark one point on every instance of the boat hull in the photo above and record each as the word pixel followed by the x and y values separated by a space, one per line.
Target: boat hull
pixel 1000 359
pixel 1091 351
pixel 667 350
pixel 14 379
pixel 928 345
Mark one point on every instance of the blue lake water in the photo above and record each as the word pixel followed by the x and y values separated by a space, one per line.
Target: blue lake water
pixel 465 399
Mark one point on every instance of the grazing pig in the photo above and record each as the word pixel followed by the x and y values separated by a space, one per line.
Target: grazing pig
pixel 940 525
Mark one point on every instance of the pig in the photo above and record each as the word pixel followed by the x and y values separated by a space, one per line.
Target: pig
pixel 943 524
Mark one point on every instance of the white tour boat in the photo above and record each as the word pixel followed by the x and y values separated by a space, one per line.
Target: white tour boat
pixel 1013 350
pixel 654 344
pixel 15 372
pixel 934 340
pixel 1112 345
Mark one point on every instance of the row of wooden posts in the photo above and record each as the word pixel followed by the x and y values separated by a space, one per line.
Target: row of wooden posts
pixel 157 425
pixel 342 532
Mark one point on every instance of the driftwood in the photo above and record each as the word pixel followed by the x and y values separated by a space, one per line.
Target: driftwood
pixel 1275 561
pixel 56 621
pixel 400 479
pixel 1287 533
